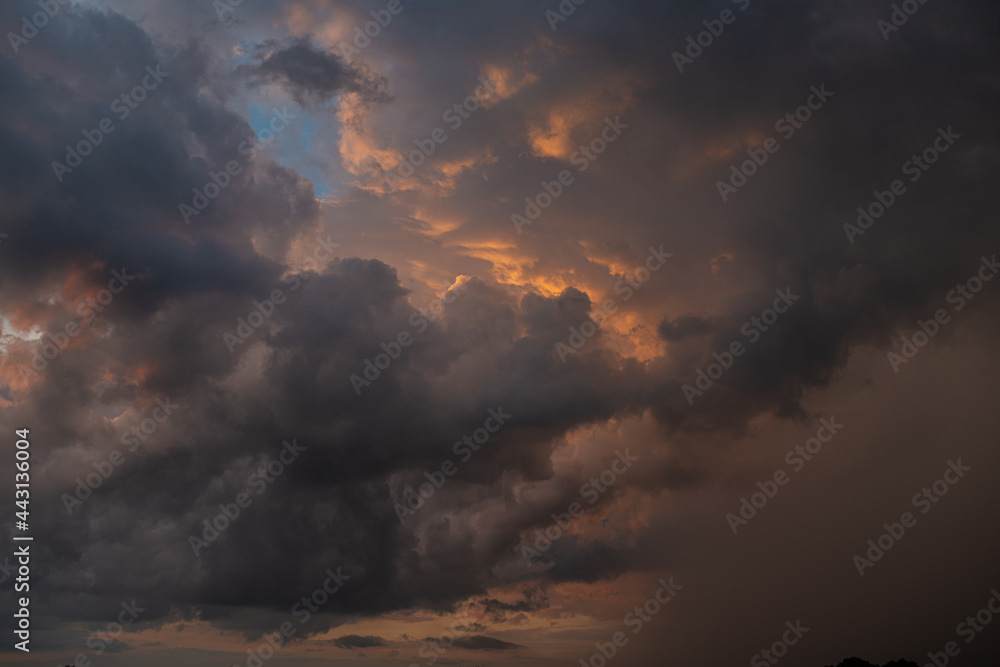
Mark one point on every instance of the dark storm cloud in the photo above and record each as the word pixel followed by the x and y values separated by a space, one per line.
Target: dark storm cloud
pixel 306 69
pixel 125 196
pixel 576 559
pixel 684 327
pixel 334 507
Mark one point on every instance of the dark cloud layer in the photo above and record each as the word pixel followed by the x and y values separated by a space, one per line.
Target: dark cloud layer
pixel 480 642
pixel 357 641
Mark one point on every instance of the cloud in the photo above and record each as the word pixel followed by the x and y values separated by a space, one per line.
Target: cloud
pixel 483 643
pixel 309 72
pixel 495 344
pixel 497 611
pixel 357 641
pixel 681 328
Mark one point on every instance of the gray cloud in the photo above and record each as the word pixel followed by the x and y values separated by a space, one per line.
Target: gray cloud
pixel 309 72
pixel 357 641
pixel 483 643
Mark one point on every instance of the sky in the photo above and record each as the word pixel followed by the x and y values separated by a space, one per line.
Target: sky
pixel 412 332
